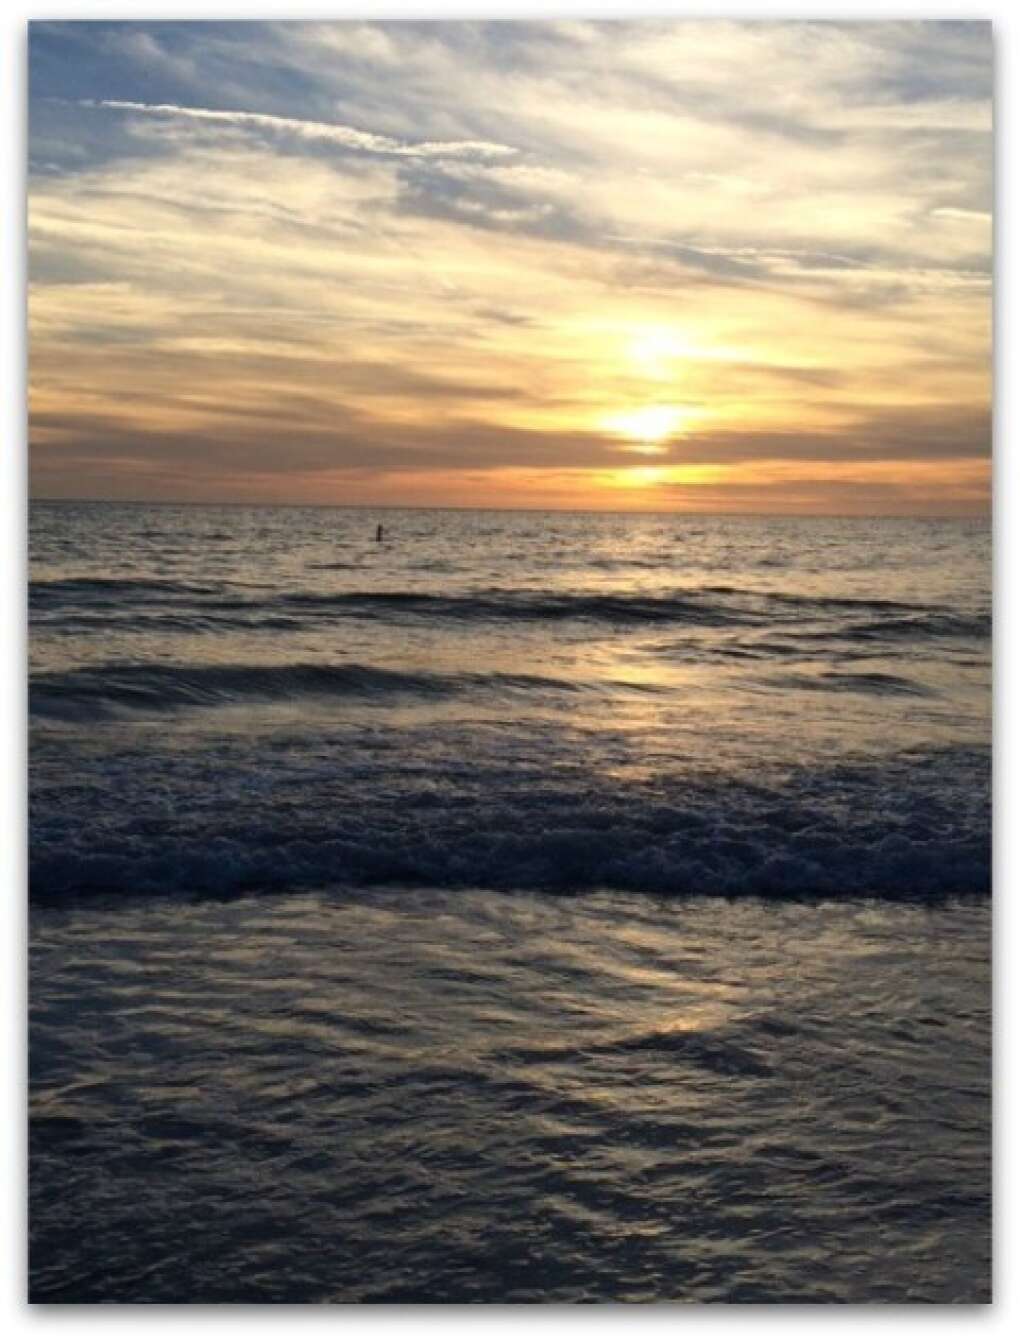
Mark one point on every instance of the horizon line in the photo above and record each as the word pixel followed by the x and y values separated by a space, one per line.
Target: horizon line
pixel 984 515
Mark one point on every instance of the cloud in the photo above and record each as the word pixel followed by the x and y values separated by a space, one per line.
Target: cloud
pixel 427 256
pixel 348 458
pixel 344 137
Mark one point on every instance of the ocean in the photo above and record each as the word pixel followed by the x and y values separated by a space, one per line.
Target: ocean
pixel 523 907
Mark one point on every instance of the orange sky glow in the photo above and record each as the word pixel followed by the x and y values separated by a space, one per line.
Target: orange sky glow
pixel 691 266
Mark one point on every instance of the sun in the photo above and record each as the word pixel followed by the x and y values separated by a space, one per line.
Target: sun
pixel 646 429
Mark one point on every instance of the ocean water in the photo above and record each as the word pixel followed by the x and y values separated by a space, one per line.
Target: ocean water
pixel 525 907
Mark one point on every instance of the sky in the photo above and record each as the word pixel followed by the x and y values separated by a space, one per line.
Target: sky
pixel 651 265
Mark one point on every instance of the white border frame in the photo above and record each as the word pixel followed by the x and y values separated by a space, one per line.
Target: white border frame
pixel 22 1319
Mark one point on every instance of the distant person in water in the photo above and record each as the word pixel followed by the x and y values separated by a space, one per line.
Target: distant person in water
pixel 378 534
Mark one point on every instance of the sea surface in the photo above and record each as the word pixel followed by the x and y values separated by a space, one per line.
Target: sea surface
pixel 525 907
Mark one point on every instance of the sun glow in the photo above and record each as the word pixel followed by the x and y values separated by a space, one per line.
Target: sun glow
pixel 654 350
pixel 678 476
pixel 642 476
pixel 657 350
pixel 650 425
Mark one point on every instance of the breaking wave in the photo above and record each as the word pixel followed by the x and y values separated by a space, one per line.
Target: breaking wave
pixel 908 828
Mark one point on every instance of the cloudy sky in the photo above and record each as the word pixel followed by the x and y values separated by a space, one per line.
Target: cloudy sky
pixel 650 265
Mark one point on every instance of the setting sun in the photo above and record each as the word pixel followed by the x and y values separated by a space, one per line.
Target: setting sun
pixel 650 426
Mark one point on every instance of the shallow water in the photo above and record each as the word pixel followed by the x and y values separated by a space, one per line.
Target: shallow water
pixel 477 1097
pixel 526 908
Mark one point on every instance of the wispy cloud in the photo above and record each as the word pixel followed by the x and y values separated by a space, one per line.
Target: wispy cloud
pixel 346 137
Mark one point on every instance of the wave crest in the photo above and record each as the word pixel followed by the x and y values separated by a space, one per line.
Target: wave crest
pixel 112 689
